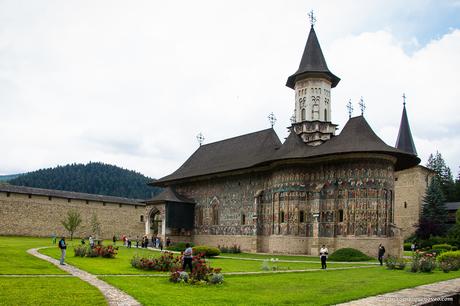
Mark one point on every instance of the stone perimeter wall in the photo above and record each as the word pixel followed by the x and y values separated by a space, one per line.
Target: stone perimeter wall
pixel 40 216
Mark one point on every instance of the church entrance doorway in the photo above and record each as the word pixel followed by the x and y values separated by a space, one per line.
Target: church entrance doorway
pixel 156 223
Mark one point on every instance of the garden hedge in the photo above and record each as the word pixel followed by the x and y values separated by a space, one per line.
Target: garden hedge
pixel 348 254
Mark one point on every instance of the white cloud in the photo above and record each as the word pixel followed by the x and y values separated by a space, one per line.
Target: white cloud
pixel 133 83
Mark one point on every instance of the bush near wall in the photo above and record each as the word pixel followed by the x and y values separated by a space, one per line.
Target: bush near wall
pixel 178 246
pixel 349 254
pixel 207 251
pixel 449 261
pixel 444 247
pixel 407 246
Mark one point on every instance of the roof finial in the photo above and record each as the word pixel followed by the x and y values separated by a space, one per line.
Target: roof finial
pixel 350 108
pixel 312 18
pixel 362 106
pixel 200 138
pixel 404 99
pixel 271 117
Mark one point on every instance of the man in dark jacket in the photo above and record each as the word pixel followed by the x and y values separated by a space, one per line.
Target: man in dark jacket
pixel 381 253
pixel 63 248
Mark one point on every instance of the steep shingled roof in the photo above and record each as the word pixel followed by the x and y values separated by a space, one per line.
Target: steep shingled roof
pixel 312 62
pixel 405 142
pixel 169 195
pixel 264 146
pixel 67 194
pixel 356 137
pixel 229 154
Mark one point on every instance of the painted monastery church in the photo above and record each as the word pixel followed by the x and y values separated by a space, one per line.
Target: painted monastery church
pixel 345 190
pixel 315 188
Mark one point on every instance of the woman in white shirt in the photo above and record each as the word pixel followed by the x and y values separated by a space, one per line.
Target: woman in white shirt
pixel 323 252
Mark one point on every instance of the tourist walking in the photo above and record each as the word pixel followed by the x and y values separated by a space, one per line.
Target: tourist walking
pixel 137 242
pixel 323 252
pixel 63 248
pixel 114 239
pixel 381 253
pixel 54 238
pixel 188 256
pixel 412 247
pixel 168 242
pixel 91 241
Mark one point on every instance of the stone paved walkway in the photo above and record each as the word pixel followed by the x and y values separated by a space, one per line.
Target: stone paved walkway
pixel 420 295
pixel 113 295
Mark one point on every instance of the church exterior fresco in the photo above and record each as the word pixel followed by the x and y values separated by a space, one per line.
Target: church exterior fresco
pixel 335 199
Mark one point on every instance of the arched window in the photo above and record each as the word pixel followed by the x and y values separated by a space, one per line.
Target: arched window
pixel 243 219
pixel 325 114
pixel 215 214
pixel 282 217
pixel 303 114
pixel 301 216
pixel 340 215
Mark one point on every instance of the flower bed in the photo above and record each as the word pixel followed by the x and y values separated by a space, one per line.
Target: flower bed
pixel 165 263
pixel 96 251
pixel 201 273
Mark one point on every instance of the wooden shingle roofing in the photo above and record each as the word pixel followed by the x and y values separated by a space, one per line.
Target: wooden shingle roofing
pixel 264 147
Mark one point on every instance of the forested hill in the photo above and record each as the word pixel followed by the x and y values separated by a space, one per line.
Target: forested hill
pixel 96 178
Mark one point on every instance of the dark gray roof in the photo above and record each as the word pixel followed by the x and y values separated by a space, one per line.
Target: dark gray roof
pixel 452 205
pixel 264 147
pixel 169 195
pixel 357 136
pixel 230 154
pixel 405 142
pixel 312 62
pixel 67 194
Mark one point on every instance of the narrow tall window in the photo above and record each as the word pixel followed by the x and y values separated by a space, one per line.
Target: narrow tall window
pixel 303 114
pixel 142 218
pixel 301 216
pixel 325 114
pixel 340 215
pixel 282 217
pixel 243 219
pixel 215 215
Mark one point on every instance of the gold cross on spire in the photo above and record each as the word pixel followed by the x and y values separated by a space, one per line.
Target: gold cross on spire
pixel 312 18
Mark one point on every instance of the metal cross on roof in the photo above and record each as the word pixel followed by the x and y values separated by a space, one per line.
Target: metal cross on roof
pixel 312 18
pixel 404 99
pixel 362 106
pixel 271 117
pixel 350 108
pixel 200 138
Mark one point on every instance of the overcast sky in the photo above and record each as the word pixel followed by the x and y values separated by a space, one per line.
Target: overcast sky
pixel 132 83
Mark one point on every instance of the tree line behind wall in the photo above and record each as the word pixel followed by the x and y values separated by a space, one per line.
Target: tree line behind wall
pixel 94 177
pixel 450 187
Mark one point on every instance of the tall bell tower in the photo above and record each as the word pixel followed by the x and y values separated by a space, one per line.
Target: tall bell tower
pixel 312 84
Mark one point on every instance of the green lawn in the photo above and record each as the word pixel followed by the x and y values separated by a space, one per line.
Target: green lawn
pixel 307 288
pixel 121 263
pixel 310 288
pixel 48 291
pixel 39 290
pixel 15 260
pixel 280 257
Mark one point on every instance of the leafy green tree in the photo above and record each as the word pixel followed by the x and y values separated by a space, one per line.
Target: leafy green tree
pixel 95 226
pixel 72 222
pixel 437 163
pixel 434 213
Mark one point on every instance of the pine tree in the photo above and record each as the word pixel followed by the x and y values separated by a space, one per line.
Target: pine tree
pixel 434 213
pixel 437 164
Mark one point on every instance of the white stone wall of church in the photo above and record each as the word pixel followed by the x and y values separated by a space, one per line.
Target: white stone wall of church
pixel 310 92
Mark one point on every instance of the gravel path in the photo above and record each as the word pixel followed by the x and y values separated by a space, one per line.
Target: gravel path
pixel 113 295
